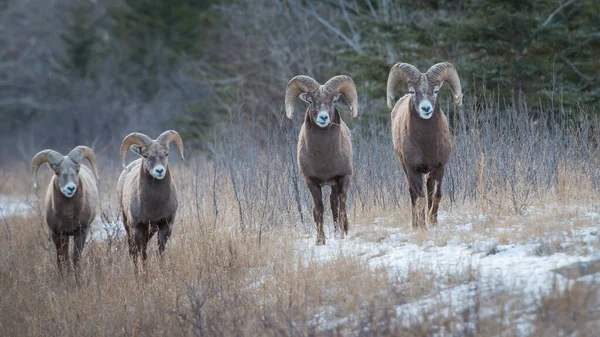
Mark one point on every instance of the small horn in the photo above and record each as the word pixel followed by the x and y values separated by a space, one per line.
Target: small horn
pixel 295 87
pixel 133 138
pixel 171 136
pixel 45 156
pixel 446 71
pixel 345 85
pixel 80 152
pixel 400 73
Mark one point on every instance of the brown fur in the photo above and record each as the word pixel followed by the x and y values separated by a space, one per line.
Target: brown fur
pixel 421 144
pixel 420 132
pixel 71 216
pixel 325 157
pixel 148 205
pixel 325 151
pixel 423 147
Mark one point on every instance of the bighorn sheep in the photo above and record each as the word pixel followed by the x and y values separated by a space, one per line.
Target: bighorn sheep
pixel 324 144
pixel 147 194
pixel 420 132
pixel 71 199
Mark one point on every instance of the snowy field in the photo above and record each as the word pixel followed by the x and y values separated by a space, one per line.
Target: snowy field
pixel 527 270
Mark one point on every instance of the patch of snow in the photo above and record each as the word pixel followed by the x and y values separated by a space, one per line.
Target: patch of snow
pixel 466 228
pixel 488 246
pixel 513 268
pixel 105 231
pixel 11 206
pixel 588 235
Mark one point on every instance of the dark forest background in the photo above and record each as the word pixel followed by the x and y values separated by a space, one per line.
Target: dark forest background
pixel 90 71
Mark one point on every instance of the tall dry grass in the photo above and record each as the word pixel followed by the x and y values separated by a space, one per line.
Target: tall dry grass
pixel 235 264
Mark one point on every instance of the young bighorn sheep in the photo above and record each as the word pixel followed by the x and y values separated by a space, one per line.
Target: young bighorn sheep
pixel 324 144
pixel 420 132
pixel 71 199
pixel 146 191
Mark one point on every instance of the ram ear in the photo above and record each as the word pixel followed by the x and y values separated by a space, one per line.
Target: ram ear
pixel 305 97
pixel 136 149
pixel 336 97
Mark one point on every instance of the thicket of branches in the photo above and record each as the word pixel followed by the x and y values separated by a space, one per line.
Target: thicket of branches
pixel 88 72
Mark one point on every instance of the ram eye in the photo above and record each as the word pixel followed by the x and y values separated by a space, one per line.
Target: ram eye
pixel 412 92
pixel 436 91
pixel 166 154
pixel 145 155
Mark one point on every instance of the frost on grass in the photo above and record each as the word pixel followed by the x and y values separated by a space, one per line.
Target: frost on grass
pixel 468 270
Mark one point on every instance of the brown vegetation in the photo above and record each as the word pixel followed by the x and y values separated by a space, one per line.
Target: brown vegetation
pixel 252 273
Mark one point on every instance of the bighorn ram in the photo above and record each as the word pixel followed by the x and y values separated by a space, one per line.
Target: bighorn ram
pixel 420 132
pixel 71 198
pixel 147 194
pixel 324 144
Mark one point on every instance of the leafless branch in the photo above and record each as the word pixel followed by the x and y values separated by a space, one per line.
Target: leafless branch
pixel 353 42
pixel 560 8
pixel 582 75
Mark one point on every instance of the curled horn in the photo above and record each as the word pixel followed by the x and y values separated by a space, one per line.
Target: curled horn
pixel 50 156
pixel 446 72
pixel 133 138
pixel 171 136
pixel 80 152
pixel 345 85
pixel 400 73
pixel 295 87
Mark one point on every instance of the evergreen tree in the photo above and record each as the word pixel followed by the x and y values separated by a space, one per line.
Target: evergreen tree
pixel 527 49
pixel 157 34
pixel 80 41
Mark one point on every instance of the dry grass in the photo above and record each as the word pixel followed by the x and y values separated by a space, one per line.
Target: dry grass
pixel 220 278
pixel 241 260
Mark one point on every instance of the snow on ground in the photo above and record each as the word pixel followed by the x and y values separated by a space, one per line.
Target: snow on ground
pixel 106 230
pixel 11 206
pixel 524 269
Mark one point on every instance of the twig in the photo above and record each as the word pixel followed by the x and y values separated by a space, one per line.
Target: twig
pixel 562 57
pixel 8 237
pixel 351 42
pixel 236 194
pixel 560 8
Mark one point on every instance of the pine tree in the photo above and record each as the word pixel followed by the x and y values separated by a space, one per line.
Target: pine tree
pixel 527 49
pixel 157 34
pixel 80 41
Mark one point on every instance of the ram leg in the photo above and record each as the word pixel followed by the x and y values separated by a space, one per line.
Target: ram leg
pixel 164 232
pixel 78 243
pixel 344 186
pixel 318 209
pixel 417 198
pixel 334 200
pixel 61 242
pixel 434 194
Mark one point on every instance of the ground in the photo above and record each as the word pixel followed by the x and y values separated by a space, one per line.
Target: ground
pixel 473 274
